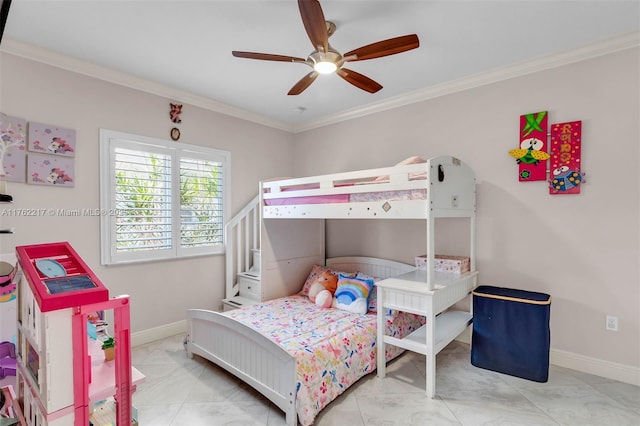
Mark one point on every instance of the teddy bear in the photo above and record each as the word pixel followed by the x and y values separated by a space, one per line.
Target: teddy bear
pixel 322 289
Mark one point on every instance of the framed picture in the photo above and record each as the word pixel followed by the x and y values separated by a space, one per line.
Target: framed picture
pixel 50 170
pixel 12 148
pixel 55 140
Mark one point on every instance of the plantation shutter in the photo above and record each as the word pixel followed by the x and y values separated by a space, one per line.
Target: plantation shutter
pixel 161 200
pixel 143 200
pixel 201 189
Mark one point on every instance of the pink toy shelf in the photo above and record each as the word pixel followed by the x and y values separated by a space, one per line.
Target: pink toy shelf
pixel 58 276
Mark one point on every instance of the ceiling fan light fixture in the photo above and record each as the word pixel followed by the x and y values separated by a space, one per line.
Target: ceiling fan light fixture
pixel 325 62
pixel 325 67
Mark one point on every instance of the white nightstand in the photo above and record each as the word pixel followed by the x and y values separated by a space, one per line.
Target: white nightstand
pixel 409 293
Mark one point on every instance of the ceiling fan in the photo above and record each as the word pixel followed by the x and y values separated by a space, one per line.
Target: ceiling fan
pixel 325 59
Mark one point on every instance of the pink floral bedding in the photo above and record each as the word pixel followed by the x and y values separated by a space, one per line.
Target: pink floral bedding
pixel 333 348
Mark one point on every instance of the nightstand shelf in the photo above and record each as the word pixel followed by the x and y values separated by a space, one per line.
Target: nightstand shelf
pixel 409 293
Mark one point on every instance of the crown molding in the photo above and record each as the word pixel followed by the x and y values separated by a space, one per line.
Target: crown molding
pixel 27 51
pixel 626 41
pixel 79 66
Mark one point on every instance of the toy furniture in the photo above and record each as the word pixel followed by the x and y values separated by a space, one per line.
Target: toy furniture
pixel 60 369
pixel 7 359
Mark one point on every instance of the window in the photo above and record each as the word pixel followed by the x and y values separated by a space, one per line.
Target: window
pixel 160 199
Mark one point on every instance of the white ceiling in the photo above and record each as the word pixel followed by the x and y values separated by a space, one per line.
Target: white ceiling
pixel 186 45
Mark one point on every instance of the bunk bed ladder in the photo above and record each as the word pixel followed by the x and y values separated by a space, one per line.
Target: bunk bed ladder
pixel 242 236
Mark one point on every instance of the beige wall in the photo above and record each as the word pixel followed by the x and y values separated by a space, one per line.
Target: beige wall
pixel 581 249
pixel 161 292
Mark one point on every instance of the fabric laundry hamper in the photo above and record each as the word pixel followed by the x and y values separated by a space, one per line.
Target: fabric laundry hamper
pixel 511 332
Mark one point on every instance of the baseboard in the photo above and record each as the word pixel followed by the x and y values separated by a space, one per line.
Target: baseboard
pixel 158 333
pixel 598 367
pixel 610 370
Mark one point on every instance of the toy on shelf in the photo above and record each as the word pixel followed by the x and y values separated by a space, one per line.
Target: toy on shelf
pixel 109 348
pixel 7 359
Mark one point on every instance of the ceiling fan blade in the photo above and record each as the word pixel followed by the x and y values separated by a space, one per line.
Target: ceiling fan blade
pixel 361 81
pixel 304 82
pixel 267 57
pixel 383 48
pixel 315 24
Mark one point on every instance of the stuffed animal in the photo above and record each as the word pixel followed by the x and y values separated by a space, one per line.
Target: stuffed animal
pixel 324 281
pixel 324 299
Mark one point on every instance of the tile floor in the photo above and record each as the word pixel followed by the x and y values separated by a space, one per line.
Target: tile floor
pixel 189 392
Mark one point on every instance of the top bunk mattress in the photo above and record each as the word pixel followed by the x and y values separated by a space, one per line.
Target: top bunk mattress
pixel 405 181
pixel 439 187
pixel 404 194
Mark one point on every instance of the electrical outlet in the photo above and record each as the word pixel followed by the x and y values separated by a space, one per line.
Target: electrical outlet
pixel 454 201
pixel 612 323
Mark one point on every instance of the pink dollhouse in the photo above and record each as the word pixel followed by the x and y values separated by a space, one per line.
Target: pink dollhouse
pixel 56 296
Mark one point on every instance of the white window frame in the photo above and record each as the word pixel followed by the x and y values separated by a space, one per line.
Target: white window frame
pixel 109 140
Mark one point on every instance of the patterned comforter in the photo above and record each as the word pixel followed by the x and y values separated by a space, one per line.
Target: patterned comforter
pixel 333 348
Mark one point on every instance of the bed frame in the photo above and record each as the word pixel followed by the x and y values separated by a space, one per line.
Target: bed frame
pixel 448 182
pixel 253 358
pixel 450 192
pixel 290 246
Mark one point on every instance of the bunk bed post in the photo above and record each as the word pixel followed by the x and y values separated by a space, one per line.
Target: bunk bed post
pixel 431 353
pixel 472 248
pixel 431 227
pixel 380 320
pixel 431 249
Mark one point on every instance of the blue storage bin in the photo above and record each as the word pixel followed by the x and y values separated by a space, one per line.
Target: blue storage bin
pixel 511 332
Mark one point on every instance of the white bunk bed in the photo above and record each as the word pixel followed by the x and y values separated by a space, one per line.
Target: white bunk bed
pixel 441 187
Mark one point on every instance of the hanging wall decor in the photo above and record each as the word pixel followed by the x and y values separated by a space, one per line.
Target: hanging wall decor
pixel 50 170
pixel 55 140
pixel 532 154
pixel 174 113
pixel 12 148
pixel 566 140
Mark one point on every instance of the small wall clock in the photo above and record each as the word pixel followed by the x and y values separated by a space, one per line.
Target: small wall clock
pixel 175 133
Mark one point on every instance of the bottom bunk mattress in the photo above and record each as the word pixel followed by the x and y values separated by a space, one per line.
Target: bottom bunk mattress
pixel 333 348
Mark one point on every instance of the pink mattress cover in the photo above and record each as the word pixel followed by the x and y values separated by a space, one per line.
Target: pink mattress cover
pixel 408 194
